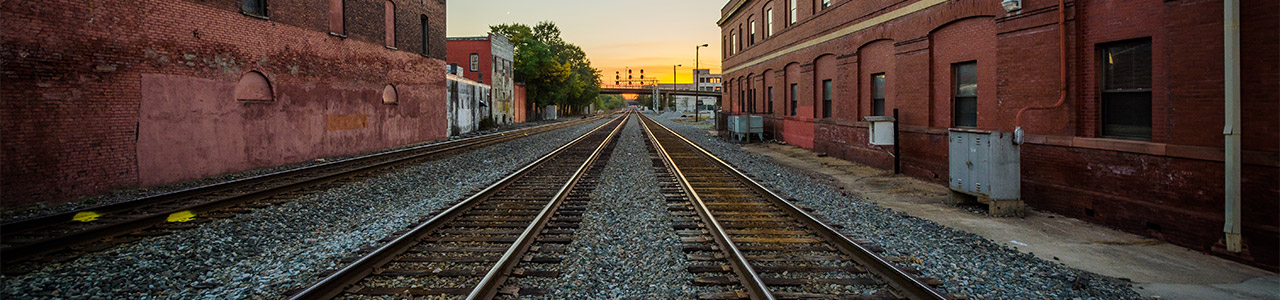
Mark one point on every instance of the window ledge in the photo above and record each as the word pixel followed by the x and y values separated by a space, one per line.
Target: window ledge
pixel 392 48
pixel 253 15
pixel 337 34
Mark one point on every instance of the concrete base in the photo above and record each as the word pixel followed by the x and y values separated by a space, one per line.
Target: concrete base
pixel 998 208
pixel 1159 270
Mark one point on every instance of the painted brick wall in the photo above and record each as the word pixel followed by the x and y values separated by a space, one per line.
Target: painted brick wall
pixel 104 95
pixel 1174 177
pixel 460 51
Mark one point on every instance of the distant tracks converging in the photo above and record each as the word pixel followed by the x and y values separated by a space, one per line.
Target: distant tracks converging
pixel 26 244
pixel 739 233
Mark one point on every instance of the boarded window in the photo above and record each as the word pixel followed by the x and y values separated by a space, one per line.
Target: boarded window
pixel 390 18
pixel 1126 89
pixel 877 94
pixel 253 86
pixel 965 94
pixel 337 23
pixel 390 95
pixel 826 98
pixel 770 91
pixel 426 35
pixel 254 7
pixel 794 102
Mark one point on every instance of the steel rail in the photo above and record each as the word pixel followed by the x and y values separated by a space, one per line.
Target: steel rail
pixel 329 172
pixel 756 288
pixel 903 282
pixel 334 284
pixel 492 281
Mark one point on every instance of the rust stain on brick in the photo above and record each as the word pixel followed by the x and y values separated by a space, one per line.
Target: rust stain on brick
pixel 345 122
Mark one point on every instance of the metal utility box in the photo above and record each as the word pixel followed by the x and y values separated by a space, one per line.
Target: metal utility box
pixel 742 127
pixel 756 126
pixel 985 166
pixel 738 124
pixel 551 112
pixel 881 130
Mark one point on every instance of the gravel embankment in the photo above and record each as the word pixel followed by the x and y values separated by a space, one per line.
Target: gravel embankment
pixel 122 195
pixel 968 264
pixel 625 247
pixel 262 254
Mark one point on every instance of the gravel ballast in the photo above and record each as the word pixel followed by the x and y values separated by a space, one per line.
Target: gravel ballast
pixel 625 247
pixel 263 253
pixel 968 264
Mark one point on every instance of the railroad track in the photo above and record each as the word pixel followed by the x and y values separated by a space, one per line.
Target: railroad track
pixel 27 244
pixel 754 244
pixel 471 248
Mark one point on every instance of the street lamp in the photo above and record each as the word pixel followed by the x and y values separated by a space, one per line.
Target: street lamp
pixel 671 97
pixel 697 99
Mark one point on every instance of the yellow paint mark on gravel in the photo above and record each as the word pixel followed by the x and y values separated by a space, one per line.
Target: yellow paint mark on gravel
pixel 182 216
pixel 86 216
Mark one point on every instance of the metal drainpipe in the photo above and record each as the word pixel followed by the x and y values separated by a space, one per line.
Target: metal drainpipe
pixel 1231 132
pixel 1018 134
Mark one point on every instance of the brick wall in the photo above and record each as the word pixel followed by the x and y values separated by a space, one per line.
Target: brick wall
pixel 104 95
pixel 460 51
pixel 1169 187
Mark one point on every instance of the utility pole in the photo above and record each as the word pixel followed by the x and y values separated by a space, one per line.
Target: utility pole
pixel 697 89
pixel 672 96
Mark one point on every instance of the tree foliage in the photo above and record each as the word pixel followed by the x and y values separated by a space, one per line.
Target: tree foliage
pixel 554 71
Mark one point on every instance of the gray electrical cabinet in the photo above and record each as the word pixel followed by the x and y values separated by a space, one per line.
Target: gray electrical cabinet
pixel 985 167
pixel 744 126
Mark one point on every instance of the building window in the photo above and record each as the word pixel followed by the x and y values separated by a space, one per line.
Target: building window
pixel 390 95
pixel 826 98
pixel 877 94
pixel 826 4
pixel 752 40
pixel 1126 90
pixel 337 23
pixel 742 100
pixel 792 7
pixel 739 48
pixel 770 91
pixel 768 23
pixel 390 18
pixel 253 86
pixel 475 62
pixel 794 102
pixel 254 7
pixel 426 35
pixel 965 94
pixel 733 38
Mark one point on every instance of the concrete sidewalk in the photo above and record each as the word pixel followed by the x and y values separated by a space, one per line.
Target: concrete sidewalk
pixel 1159 270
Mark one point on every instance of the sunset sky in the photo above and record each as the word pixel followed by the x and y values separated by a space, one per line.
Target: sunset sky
pixel 654 35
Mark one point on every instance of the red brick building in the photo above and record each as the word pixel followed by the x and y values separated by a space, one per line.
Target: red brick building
pixel 1137 145
pixel 101 95
pixel 490 60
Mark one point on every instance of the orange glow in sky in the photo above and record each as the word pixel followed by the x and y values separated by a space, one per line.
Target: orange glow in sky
pixel 651 35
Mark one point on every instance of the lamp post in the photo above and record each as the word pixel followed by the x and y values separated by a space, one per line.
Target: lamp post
pixel 697 89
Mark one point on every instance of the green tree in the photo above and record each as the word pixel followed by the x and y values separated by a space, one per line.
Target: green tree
pixel 554 71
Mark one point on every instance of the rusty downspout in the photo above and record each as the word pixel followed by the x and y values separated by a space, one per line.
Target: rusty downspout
pixel 1018 134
